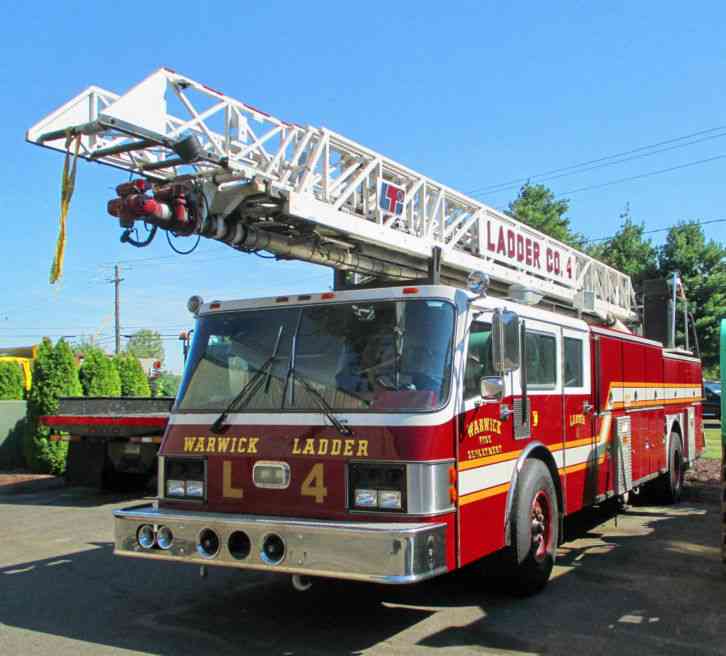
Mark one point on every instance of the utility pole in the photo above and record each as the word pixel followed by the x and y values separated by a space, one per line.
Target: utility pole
pixel 116 280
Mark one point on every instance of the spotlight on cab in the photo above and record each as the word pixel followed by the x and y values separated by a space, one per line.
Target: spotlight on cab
pixel 194 303
pixel 478 283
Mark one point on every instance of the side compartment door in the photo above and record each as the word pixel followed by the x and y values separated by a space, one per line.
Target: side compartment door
pixel 607 377
pixel 657 441
pixel 636 406
pixel 581 450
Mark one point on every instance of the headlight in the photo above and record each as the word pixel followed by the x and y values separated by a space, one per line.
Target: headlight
pixel 389 499
pixel 274 475
pixel 366 498
pixel 377 487
pixel 185 478
pixel 175 488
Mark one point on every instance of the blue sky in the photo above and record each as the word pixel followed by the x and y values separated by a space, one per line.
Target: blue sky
pixel 470 93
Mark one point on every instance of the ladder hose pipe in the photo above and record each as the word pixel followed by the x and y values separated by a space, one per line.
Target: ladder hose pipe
pixel 250 238
pixel 126 237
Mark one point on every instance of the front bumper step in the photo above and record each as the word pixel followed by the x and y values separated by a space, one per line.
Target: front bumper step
pixel 382 552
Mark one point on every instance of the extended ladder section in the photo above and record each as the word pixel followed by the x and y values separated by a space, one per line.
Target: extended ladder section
pixel 309 193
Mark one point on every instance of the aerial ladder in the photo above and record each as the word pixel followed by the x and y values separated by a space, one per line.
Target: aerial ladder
pixel 204 164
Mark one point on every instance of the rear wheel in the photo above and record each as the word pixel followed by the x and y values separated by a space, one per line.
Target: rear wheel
pixel 671 483
pixel 534 529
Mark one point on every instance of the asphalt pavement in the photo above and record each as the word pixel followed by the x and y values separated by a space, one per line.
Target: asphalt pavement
pixel 646 582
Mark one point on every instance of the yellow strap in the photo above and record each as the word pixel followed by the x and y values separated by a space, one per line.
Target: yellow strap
pixel 68 183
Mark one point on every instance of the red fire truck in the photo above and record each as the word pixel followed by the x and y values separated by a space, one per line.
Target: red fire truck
pixel 466 385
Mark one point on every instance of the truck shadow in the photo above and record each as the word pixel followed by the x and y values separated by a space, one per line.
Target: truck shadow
pixel 71 497
pixel 647 583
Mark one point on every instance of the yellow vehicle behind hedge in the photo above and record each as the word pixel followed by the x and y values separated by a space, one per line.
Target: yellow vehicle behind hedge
pixel 23 356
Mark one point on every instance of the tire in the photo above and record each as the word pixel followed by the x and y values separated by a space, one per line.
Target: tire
pixel 671 483
pixel 535 524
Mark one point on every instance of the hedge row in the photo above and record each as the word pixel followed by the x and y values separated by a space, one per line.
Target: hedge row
pixel 56 374
pixel 11 382
pixel 133 379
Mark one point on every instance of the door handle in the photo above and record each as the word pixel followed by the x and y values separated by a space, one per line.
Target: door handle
pixel 587 407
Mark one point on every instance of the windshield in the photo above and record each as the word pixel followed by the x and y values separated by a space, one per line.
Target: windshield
pixel 381 356
pixel 714 387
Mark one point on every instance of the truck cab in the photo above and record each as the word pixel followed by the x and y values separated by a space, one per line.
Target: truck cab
pixel 314 434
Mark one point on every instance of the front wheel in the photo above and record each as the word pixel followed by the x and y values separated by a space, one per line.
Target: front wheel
pixel 534 529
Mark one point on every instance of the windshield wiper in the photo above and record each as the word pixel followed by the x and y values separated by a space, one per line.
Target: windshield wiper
pixel 292 375
pixel 325 407
pixel 250 388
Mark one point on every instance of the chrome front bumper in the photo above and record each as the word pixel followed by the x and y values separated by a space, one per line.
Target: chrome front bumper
pixel 387 552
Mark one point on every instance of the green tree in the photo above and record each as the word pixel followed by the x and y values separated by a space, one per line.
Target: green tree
pixel 629 251
pixel 166 384
pixel 83 344
pixel 133 378
pixel 536 206
pixel 702 267
pixel 55 374
pixel 11 381
pixel 98 375
pixel 146 344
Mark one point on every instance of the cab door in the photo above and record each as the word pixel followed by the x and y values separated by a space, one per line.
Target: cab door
pixel 581 448
pixel 538 381
pixel 483 428
pixel 486 456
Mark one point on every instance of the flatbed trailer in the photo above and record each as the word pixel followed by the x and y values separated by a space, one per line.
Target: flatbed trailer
pixel 110 437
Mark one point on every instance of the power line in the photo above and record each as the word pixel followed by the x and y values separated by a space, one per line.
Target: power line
pixel 604 164
pixel 654 230
pixel 136 260
pixel 642 175
pixel 600 159
pixel 83 331
pixel 141 298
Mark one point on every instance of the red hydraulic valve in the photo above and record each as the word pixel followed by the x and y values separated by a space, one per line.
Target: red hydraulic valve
pixel 165 207
pixel 138 206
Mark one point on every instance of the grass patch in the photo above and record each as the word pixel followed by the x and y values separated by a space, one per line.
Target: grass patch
pixel 713 444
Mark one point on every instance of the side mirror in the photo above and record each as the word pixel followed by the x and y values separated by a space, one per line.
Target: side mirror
pixel 492 387
pixel 505 341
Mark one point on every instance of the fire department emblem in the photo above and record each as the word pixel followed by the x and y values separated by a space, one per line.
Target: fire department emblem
pixel 392 198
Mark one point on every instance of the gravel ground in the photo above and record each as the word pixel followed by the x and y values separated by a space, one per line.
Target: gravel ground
pixel 706 472
pixel 647 581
